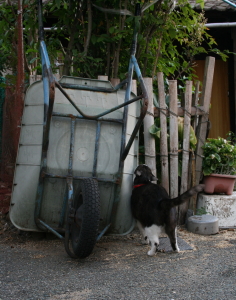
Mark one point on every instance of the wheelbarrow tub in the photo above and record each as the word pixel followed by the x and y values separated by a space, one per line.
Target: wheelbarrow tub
pixel 30 150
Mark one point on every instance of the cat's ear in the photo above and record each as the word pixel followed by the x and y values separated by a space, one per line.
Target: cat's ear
pixel 154 178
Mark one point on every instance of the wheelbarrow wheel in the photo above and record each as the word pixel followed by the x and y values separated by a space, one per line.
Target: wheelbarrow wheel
pixel 84 229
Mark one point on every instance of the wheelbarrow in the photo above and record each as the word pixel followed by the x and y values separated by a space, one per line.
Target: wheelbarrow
pixel 77 151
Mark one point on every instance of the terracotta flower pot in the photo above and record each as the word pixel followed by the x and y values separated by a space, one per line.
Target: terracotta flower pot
pixel 219 184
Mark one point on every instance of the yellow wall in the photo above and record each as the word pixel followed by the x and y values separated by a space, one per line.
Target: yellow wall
pixel 219 110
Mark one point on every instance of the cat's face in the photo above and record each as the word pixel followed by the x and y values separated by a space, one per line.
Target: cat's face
pixel 144 174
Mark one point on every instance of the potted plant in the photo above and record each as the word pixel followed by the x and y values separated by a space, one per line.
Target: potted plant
pixel 219 165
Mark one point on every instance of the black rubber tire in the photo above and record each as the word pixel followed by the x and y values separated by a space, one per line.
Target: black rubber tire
pixel 84 230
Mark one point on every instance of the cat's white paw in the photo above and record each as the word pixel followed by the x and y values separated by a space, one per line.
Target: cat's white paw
pixel 151 253
pixel 177 249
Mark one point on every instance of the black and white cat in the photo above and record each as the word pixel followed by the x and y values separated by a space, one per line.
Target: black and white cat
pixel 153 209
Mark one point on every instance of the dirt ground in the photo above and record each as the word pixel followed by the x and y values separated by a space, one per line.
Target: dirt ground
pixel 36 266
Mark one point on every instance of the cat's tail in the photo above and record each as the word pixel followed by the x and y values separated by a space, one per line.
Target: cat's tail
pixel 184 197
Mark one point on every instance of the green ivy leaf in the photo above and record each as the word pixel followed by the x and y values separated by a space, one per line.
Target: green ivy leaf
pixel 201 2
pixel 154 130
pixel 172 33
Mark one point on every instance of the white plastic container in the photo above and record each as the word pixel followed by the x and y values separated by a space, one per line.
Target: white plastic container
pixel 30 149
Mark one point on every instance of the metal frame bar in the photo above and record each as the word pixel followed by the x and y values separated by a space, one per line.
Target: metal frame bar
pixel 230 3
pixel 49 85
pixel 94 117
pixel 98 131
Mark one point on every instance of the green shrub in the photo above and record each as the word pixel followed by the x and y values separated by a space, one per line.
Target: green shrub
pixel 219 156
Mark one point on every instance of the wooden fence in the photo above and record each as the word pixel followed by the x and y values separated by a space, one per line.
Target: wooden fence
pixel 195 113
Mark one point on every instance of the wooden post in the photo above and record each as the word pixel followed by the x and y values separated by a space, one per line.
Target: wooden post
pixel 233 35
pixel 149 140
pixel 115 81
pixel 173 139
pixel 134 86
pixel 102 77
pixel 17 109
pixel 203 119
pixel 192 166
pixel 33 78
pixel 163 139
pixel 185 154
pixel 57 76
pixel 195 103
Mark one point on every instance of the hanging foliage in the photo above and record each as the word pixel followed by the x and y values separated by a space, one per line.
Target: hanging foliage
pixel 89 38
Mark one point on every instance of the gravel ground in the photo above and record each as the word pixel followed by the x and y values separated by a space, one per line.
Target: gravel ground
pixel 36 266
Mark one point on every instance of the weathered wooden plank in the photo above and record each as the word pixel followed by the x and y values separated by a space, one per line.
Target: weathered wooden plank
pixel 163 139
pixel 203 119
pixel 185 153
pixel 194 104
pixel 192 165
pixel 115 81
pixel 195 111
pixel 33 78
pixel 173 139
pixel 149 140
pixel 102 77
pixel 233 35
pixel 134 86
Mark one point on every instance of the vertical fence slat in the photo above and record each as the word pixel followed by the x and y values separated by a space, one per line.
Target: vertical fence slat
pixel 195 103
pixel 134 86
pixel 163 139
pixel 192 166
pixel 173 138
pixel 102 77
pixel 203 119
pixel 115 81
pixel 185 154
pixel 149 140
